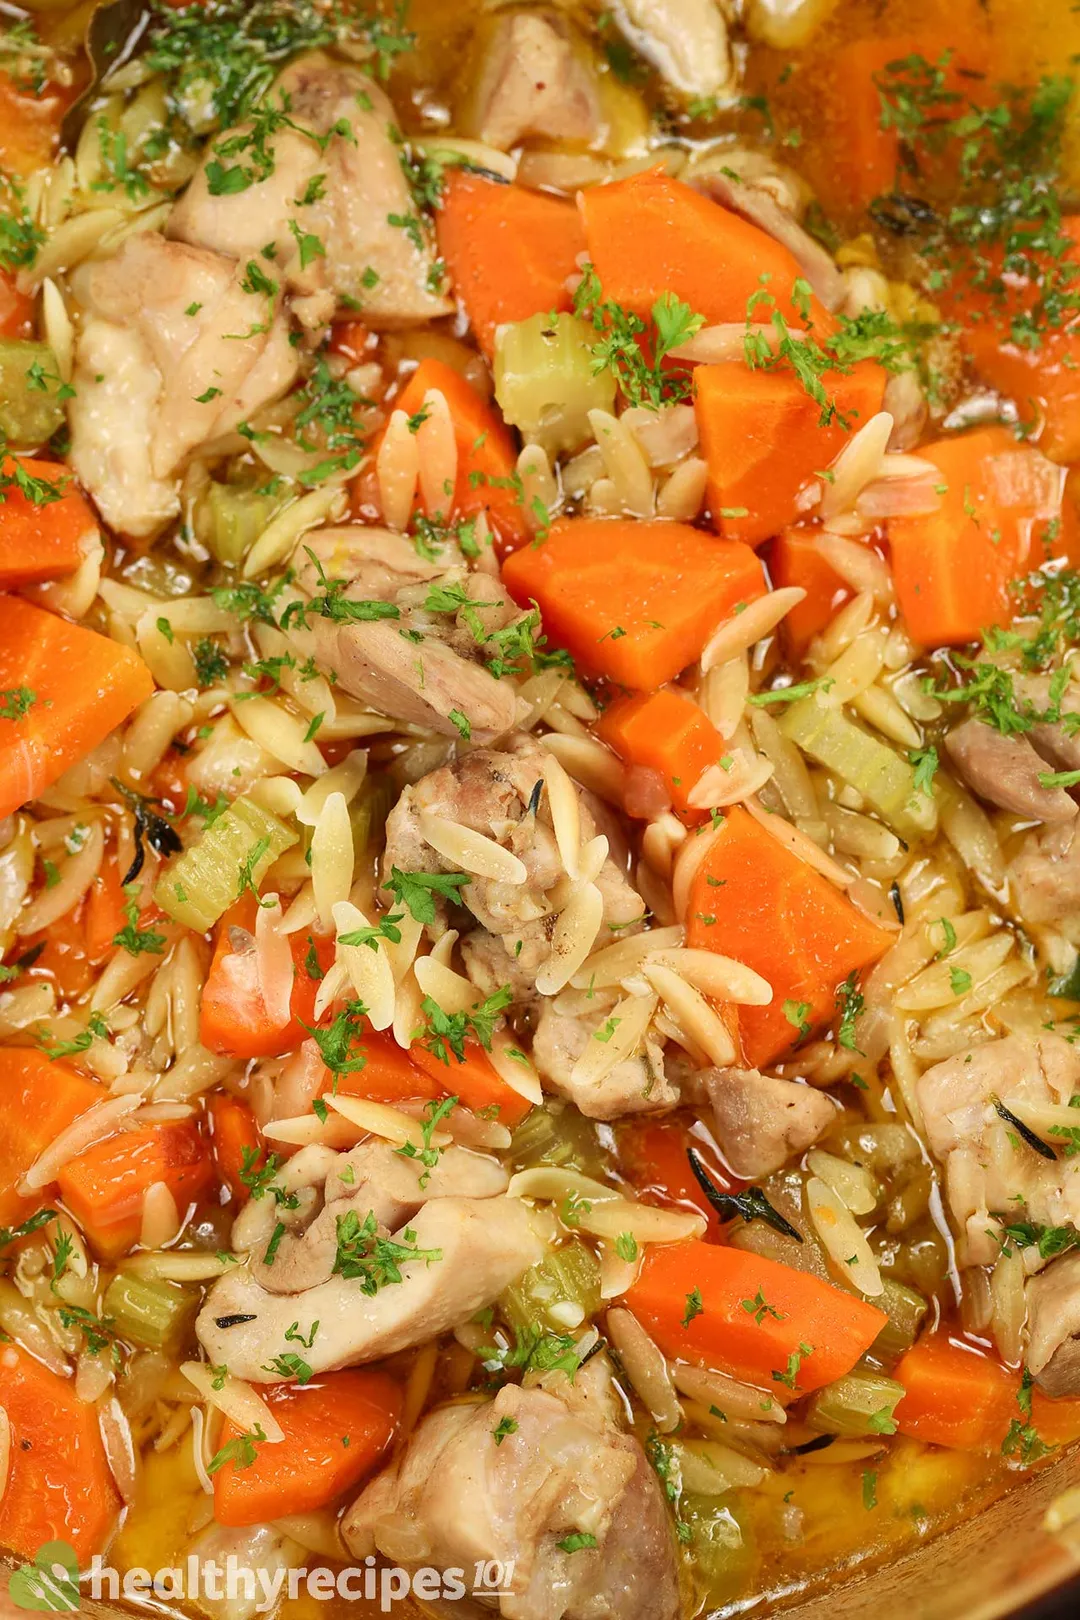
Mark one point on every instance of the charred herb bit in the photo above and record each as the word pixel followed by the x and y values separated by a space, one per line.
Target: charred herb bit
pixel 818 1443
pixel 1036 1143
pixel 237 1319
pixel 751 1203
pixel 163 839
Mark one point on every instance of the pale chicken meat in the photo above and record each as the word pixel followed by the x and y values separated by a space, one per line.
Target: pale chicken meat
pixel 417 649
pixel 992 1175
pixel 636 1085
pixel 686 40
pixel 1005 771
pixel 1044 879
pixel 331 208
pixel 762 1121
pixel 534 82
pixel 511 1479
pixel 1053 1311
pixel 191 346
pixel 468 1251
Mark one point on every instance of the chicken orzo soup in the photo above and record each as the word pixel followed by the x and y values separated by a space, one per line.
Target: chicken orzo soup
pixel 539 747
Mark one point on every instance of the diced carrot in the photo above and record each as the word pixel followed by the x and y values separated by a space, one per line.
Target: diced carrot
pixel 509 251
pixel 72 686
pixel 486 475
pixel 957 1396
pixel 350 340
pixel 30 124
pixel 1001 515
pixel 233 1018
pixel 390 1074
pixel 752 899
pixel 39 543
pixel 105 1185
pixel 16 308
pixel 633 601
pixel 651 1154
pixel 476 1082
pixel 667 733
pixel 649 235
pixel 793 559
pixel 59 1486
pixel 753 1314
pixel 234 1141
pixel 762 437
pixel 105 915
pixel 38 1100
pixel 1055 1421
pixel 336 1428
pixel 62 957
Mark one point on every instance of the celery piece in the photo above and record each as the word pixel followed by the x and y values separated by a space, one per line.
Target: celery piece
pixel 857 1405
pixel 234 519
pixel 373 804
pixel 145 1311
pixel 565 1138
pixel 906 1308
pixel 234 853
pixel 545 383
pixel 716 1532
pixel 30 407
pixel 861 760
pixel 559 1293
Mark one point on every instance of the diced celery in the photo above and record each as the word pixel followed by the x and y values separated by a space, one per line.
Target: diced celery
pixel 30 409
pixel 863 761
pixel 545 383
pixel 202 883
pixel 559 1293
pixel 906 1308
pixel 718 1544
pixel 373 804
pixel 234 519
pixel 565 1138
pixel 859 1404
pixel 145 1311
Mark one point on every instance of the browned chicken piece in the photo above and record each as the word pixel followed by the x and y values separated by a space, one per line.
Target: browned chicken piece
pixel 685 40
pixel 468 1250
pixel 335 176
pixel 503 796
pixel 1053 1307
pixel 510 1480
pixel 1005 770
pixel 534 82
pixel 989 1170
pixel 761 1121
pixel 1057 741
pixel 1044 879
pixel 424 662
pixel 177 346
pixel 635 1086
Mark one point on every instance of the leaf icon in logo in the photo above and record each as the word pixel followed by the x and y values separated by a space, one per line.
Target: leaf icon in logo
pixel 50 1584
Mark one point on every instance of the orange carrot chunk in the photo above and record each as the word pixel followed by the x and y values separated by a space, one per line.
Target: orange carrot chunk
pixel 509 251
pixel 233 1017
pixel 476 1082
pixel 664 732
pixel 390 1073
pixel 955 1396
pixel 633 601
pixel 105 915
pixel 16 308
pixel 104 1187
pixel 747 1316
pixel 62 690
pixel 336 1429
pixel 38 1100
pixel 762 437
pixel 59 1486
pixel 793 559
pixel 754 900
pixel 235 1141
pixel 39 543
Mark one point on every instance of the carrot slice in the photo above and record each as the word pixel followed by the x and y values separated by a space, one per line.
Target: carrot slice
pixel 104 1187
pixel 1001 515
pixel 233 1018
pixel 235 1141
pixel 762 437
pixel 476 1082
pixel 62 690
pixel 509 251
pixel 652 1157
pixel 486 474
pixel 955 1396
pixel 747 1316
pixel 793 559
pixel 105 915
pixel 390 1075
pixel 59 1486
pixel 633 601
pixel 39 543
pixel 649 235
pixel 16 308
pixel 752 899
pixel 38 1100
pixel 667 733
pixel 335 1428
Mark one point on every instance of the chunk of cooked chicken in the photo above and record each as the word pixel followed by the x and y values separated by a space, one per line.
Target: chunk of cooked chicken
pixel 513 1478
pixel 178 345
pixel 532 81
pixel 635 1085
pixel 333 174
pixel 989 1170
pixel 1005 771
pixel 468 1251
pixel 1044 879
pixel 374 1179
pixel 761 1121
pixel 685 40
pixel 1053 1310
pixel 422 661
pixel 504 796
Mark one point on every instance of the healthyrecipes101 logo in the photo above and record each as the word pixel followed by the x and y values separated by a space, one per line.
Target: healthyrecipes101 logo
pixel 50 1584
